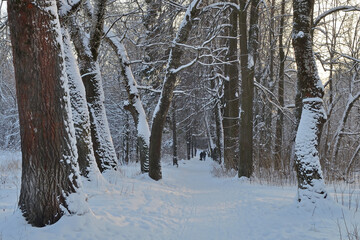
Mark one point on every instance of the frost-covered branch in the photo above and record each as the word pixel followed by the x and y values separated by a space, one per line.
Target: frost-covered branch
pixel 97 27
pixel 334 10
pixel 267 92
pixel 68 7
pixel 337 136
pixel 222 5
pixel 175 71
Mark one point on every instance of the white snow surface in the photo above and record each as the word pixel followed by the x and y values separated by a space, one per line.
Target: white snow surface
pixel 188 203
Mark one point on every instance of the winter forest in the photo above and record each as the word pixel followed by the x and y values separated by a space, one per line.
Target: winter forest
pixel 179 119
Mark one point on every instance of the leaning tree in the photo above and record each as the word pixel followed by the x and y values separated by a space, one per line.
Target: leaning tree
pixel 311 185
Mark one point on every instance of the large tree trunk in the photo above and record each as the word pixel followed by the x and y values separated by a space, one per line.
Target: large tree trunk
pixel 248 49
pixel 311 185
pixel 231 97
pixel 100 133
pixel 134 106
pixel 49 168
pixel 80 113
pixel 168 90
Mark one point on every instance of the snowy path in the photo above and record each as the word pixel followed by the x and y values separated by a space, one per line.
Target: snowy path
pixel 187 204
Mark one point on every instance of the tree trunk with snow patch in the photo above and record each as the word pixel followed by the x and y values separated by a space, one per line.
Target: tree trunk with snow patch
pixel 89 68
pixel 50 174
pixel 311 186
pixel 80 113
pixel 134 106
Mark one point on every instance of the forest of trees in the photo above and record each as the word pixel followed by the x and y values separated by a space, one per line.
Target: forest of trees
pixel 269 88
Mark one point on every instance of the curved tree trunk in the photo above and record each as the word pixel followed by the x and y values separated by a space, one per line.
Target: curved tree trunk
pixel 134 106
pixel 168 91
pixel 311 186
pixel 49 168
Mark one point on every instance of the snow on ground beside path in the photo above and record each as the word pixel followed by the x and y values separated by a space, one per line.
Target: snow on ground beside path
pixel 188 203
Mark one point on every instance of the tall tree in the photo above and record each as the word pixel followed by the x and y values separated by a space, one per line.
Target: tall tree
pixel 280 115
pixel 248 50
pixel 311 186
pixel 80 113
pixel 167 93
pixel 134 104
pixel 88 51
pixel 231 96
pixel 49 167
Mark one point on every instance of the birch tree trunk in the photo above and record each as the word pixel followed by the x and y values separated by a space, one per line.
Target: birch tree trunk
pixel 311 186
pixel 49 169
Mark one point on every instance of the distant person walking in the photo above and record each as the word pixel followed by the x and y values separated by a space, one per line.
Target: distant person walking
pixel 203 156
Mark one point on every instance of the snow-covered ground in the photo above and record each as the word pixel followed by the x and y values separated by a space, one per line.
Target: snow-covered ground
pixel 188 203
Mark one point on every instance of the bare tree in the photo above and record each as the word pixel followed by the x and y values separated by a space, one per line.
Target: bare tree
pixel 311 186
pixel 173 67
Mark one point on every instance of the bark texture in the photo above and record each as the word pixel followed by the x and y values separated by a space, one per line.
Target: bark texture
pixel 80 113
pixel 89 69
pixel 248 49
pixel 231 97
pixel 310 180
pixel 49 168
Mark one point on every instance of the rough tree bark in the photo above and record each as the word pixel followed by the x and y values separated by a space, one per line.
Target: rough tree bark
pixel 168 90
pixel 231 96
pixel 311 186
pixel 87 55
pixel 50 172
pixel 80 113
pixel 248 49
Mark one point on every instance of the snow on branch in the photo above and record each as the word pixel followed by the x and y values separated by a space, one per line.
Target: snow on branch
pixel 333 10
pixel 222 5
pixel 269 95
pixel 3 24
pixel 349 57
pixel 174 71
pixel 68 7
